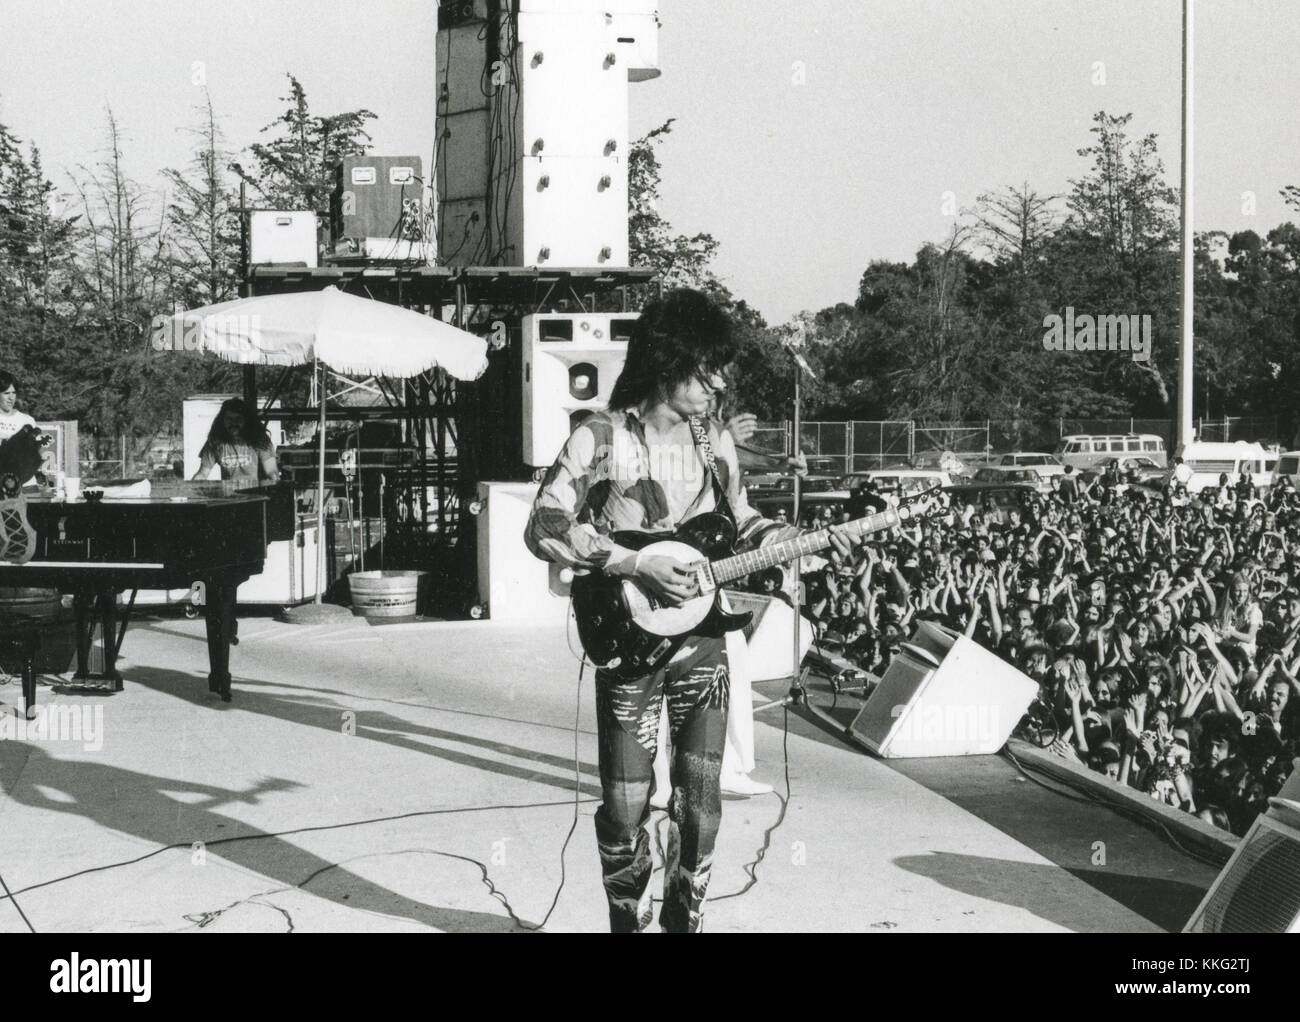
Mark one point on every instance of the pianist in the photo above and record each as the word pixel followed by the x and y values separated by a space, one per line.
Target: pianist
pixel 239 443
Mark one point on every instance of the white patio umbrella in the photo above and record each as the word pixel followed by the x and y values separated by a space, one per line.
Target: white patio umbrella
pixel 350 334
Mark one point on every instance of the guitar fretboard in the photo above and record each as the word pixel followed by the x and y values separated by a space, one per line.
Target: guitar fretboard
pixel 739 565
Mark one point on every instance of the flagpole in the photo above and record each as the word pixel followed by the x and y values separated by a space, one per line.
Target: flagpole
pixel 320 488
pixel 1186 245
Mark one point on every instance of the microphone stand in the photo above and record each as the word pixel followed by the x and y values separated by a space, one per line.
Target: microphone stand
pixel 798 695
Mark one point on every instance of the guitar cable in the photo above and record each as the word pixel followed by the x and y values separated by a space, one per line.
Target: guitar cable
pixel 577 794
pixel 11 897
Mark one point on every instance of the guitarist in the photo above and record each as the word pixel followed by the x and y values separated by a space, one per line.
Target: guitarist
pixel 639 467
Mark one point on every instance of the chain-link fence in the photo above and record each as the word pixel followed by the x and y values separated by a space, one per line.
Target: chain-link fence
pixel 880 444
pixel 958 437
pixel 859 445
pixel 1257 429
pixel 840 447
pixel 827 445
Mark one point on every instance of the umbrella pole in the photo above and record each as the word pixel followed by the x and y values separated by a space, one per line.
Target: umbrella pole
pixel 318 612
pixel 320 493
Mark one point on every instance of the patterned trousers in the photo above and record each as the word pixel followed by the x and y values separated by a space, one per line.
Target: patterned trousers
pixel 696 687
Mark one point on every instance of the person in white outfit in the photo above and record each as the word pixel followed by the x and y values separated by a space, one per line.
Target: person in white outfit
pixel 738 754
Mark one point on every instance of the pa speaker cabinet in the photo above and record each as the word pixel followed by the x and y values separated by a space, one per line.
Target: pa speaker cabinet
pixel 943 695
pixel 570 363
pixel 635 27
pixel 515 585
pixel 1259 889
pixel 377 208
pixel 573 90
pixel 568 211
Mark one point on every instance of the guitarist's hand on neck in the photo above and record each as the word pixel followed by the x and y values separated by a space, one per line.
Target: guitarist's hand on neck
pixel 842 540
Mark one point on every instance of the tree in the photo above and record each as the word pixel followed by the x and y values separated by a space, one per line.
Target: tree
pixel 295 170
pixel 1014 224
pixel 111 379
pixel 679 260
pixel 1117 254
pixel 203 253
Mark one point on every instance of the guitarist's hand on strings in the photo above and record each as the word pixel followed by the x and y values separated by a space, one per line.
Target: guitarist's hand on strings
pixel 667 578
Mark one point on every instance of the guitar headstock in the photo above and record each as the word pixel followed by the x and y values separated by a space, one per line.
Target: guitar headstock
pixel 926 505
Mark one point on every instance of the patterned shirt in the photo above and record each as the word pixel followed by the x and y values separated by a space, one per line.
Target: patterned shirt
pixel 608 479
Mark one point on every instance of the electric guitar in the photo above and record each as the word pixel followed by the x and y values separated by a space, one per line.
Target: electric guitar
pixel 628 632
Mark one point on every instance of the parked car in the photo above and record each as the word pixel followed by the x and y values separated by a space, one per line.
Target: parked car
pixel 1084 450
pixel 1000 475
pixel 994 498
pixel 823 484
pixel 940 461
pixel 897 483
pixel 1046 465
pixel 1138 466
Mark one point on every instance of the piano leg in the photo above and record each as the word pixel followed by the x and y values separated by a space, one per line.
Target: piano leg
pixel 108 632
pixel 81 606
pixel 29 684
pixel 220 613
pixel 98 607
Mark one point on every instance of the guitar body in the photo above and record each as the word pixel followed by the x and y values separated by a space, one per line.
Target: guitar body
pixel 626 631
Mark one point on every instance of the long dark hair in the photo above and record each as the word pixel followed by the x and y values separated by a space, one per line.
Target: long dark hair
pixel 676 335
pixel 255 434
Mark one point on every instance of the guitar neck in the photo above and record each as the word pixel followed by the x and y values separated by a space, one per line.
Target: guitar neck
pixel 740 565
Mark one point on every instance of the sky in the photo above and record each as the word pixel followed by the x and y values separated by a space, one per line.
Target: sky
pixel 810 138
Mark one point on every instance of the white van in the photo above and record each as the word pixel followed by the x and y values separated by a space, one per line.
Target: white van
pixel 1084 450
pixel 1208 460
pixel 1288 466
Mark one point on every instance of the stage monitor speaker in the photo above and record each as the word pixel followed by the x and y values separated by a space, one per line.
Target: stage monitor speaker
pixel 1259 889
pixel 943 695
pixel 770 634
pixel 570 363
pixel 515 585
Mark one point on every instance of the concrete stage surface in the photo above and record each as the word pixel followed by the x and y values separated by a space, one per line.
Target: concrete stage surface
pixel 364 778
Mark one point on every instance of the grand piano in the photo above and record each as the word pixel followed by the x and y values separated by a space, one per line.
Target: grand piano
pixel 95 550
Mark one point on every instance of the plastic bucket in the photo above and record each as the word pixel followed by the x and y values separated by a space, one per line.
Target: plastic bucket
pixel 384 595
pixel 33 605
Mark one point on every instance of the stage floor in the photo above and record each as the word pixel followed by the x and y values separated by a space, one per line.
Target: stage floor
pixel 364 778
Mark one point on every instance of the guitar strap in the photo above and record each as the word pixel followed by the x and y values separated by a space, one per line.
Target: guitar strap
pixel 700 432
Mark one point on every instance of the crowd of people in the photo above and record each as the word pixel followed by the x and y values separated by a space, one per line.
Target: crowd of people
pixel 1163 628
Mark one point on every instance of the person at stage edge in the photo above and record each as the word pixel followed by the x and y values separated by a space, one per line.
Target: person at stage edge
pixel 11 420
pixel 636 467
pixel 240 444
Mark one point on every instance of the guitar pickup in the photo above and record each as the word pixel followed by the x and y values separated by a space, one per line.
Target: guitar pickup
pixel 704 577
